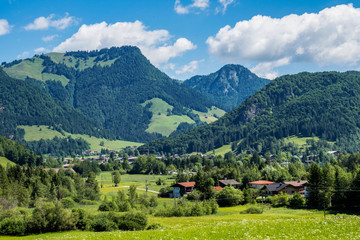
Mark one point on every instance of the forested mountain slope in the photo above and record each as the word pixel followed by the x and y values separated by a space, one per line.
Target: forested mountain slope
pixel 111 86
pixel 229 86
pixel 23 104
pixel 324 104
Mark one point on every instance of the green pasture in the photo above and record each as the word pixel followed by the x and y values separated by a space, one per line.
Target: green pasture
pixel 35 133
pixel 220 151
pixel 4 162
pixel 278 223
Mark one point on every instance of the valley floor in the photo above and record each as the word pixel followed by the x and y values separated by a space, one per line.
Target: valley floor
pixel 276 223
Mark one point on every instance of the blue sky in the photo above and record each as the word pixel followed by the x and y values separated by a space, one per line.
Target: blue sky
pixel 190 37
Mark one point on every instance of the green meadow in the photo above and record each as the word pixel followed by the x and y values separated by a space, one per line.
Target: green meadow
pixel 35 133
pixel 4 162
pixel 229 224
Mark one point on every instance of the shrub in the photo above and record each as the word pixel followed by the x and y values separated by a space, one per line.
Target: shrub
pixel 194 195
pixel 280 200
pixel 88 202
pixel 297 201
pixel 68 202
pixel 229 196
pixel 13 226
pixel 129 221
pixel 155 226
pixel 101 224
pixel 253 210
pixel 108 206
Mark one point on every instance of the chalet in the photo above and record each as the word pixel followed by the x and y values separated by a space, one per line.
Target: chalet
pixel 229 182
pixel 182 188
pixel 290 188
pixel 259 184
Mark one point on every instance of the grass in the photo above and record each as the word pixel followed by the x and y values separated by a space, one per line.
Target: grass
pixel 165 125
pixel 272 224
pixel 220 151
pixel 160 122
pixel 212 115
pixel 35 133
pixel 26 68
pixel 4 162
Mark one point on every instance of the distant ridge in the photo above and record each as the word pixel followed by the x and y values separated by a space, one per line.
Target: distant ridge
pixel 229 86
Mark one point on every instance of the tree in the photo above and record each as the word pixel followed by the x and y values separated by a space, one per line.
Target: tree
pixel 229 196
pixel 116 178
pixel 133 196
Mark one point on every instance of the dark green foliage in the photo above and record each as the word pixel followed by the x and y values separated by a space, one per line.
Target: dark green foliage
pixel 17 153
pixel 132 221
pixel 185 208
pixel 59 146
pixel 12 226
pixel 24 104
pixel 112 95
pixel 296 201
pixel 229 196
pixel 229 86
pixel 325 104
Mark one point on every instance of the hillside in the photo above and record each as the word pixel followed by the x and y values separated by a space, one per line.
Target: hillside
pixel 117 88
pixel 326 105
pixel 23 104
pixel 229 86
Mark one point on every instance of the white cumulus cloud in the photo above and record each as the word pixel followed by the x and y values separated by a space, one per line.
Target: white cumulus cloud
pixel 190 67
pixel 42 23
pixel 155 45
pixel 197 4
pixel 224 5
pixel 328 37
pixel 4 27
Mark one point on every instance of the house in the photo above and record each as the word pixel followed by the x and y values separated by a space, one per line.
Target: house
pixel 289 188
pixel 229 182
pixel 259 184
pixel 217 188
pixel 182 188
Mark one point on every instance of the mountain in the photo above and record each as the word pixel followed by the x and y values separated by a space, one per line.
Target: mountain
pixel 326 105
pixel 229 86
pixel 23 104
pixel 119 89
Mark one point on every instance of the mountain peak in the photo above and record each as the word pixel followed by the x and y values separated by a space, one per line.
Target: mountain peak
pixel 229 86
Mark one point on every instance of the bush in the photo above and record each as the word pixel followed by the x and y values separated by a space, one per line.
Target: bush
pixel 297 201
pixel 108 206
pixel 229 196
pixel 68 202
pixel 253 210
pixel 102 224
pixel 129 221
pixel 186 208
pixel 88 202
pixel 281 200
pixel 13 227
pixel 155 226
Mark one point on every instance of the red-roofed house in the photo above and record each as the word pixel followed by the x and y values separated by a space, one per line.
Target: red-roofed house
pixel 182 188
pixel 259 184
pixel 217 188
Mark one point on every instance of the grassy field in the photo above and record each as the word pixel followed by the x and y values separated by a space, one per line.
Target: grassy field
pixel 229 224
pixel 220 151
pixel 165 125
pixel 4 162
pixel 35 133
pixel 211 116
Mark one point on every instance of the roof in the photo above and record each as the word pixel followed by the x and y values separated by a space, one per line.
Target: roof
pixel 217 188
pixel 229 181
pixel 275 187
pixel 186 184
pixel 261 182
pixel 297 183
